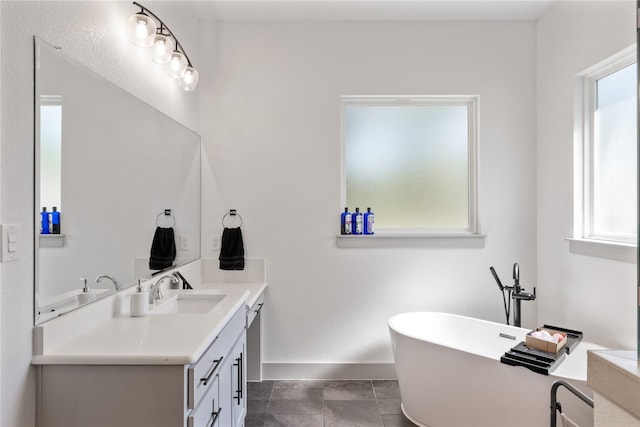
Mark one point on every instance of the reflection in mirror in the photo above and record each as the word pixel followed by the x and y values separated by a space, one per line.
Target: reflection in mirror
pixel 110 164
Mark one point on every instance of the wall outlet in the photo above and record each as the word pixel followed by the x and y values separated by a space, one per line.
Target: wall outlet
pixel 10 242
pixel 185 242
pixel 214 243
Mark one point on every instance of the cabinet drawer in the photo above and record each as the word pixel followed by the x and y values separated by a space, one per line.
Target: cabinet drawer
pixel 255 309
pixel 203 372
pixel 208 412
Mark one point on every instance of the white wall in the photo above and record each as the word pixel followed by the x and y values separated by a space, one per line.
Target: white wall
pixel 595 295
pixel 1 139
pixel 92 33
pixel 271 130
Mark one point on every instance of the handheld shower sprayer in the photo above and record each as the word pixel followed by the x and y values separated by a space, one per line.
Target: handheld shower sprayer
pixel 507 310
pixel 497 279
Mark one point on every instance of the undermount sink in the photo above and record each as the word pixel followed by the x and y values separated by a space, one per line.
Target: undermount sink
pixel 188 304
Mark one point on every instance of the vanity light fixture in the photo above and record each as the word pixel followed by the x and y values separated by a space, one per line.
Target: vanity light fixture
pixel 167 50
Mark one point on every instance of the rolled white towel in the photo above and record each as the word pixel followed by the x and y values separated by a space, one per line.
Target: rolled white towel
pixel 544 335
pixel 566 421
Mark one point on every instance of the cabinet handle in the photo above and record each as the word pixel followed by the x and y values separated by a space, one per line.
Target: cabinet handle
pixel 215 416
pixel 239 390
pixel 259 308
pixel 216 363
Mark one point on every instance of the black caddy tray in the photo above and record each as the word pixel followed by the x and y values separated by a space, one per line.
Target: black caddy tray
pixel 537 361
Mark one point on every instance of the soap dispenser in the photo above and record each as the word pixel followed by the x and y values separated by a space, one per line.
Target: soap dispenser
pixel 55 221
pixel 44 221
pixel 356 222
pixel 369 221
pixel 86 295
pixel 345 222
pixel 139 301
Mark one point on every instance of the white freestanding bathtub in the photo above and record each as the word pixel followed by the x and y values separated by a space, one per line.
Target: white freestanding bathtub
pixel 450 374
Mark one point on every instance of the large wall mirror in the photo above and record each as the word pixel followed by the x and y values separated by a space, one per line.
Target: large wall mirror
pixel 110 164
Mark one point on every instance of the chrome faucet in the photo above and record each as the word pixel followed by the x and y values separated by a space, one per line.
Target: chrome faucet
pixel 155 294
pixel 106 276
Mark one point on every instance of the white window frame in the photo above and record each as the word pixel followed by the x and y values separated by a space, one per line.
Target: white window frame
pixel 436 235
pixel 584 241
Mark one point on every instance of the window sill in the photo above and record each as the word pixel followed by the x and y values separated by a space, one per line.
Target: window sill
pixel 51 240
pixel 412 240
pixel 616 251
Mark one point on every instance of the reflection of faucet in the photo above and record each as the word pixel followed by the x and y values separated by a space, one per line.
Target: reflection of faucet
pixel 155 294
pixel 106 276
pixel 515 293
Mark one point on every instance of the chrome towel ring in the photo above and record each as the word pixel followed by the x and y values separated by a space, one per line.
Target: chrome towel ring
pixel 166 213
pixel 231 213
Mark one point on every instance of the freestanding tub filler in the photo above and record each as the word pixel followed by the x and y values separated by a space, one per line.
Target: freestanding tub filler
pixel 449 371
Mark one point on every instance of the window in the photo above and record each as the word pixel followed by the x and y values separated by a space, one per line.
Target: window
pixel 50 151
pixel 412 160
pixel 606 148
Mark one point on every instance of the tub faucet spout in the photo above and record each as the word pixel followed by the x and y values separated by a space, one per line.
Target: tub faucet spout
pixel 518 296
pixel 516 293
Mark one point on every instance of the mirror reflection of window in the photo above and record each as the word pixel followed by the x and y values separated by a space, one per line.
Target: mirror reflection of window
pixel 50 151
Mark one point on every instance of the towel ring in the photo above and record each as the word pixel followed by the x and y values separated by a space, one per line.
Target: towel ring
pixel 232 212
pixel 167 212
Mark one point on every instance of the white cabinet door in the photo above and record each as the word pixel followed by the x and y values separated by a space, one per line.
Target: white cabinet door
pixel 239 383
pixel 232 386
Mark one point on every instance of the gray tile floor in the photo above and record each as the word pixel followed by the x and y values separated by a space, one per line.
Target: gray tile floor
pixel 357 403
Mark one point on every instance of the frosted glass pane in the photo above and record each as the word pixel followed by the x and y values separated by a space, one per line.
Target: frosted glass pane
pixel 409 163
pixel 614 155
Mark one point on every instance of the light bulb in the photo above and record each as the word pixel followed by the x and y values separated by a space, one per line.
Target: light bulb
pixel 189 80
pixel 177 64
pixel 162 48
pixel 142 29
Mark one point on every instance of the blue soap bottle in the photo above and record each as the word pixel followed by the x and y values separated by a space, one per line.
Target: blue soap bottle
pixel 55 221
pixel 44 221
pixel 356 222
pixel 345 222
pixel 369 221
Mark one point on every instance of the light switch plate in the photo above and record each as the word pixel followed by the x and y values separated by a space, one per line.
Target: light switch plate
pixel 10 242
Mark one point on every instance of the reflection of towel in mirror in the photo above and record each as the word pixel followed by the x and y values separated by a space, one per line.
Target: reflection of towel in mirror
pixel 231 250
pixel 163 249
pixel 567 422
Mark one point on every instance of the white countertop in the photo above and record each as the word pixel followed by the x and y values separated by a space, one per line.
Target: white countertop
pixel 104 332
pixel 615 374
pixel 255 289
pixel 160 339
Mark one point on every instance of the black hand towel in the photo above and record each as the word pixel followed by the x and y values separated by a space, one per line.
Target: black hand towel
pixel 232 250
pixel 163 249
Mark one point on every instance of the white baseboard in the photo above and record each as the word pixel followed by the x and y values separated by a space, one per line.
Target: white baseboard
pixel 328 371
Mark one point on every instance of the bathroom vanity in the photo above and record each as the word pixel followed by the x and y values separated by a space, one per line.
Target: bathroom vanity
pixel 183 364
pixel 187 361
pixel 614 377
